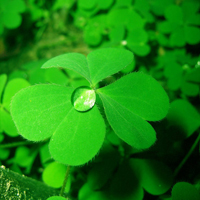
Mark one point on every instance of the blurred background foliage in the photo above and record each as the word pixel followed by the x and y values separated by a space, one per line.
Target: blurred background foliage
pixel 164 36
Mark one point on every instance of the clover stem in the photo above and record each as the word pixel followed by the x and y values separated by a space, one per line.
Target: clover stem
pixel 65 181
pixel 15 144
pixel 187 155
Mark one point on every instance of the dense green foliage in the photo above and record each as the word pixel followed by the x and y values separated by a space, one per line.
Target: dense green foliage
pixel 125 109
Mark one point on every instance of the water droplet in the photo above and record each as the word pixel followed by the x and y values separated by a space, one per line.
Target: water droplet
pixel 83 98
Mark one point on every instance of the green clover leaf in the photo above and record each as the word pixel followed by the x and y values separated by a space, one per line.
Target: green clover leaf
pixel 10 13
pixel 6 93
pixel 182 24
pixel 70 117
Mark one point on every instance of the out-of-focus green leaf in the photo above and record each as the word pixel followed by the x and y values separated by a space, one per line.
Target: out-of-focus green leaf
pixel 4 153
pixel 45 154
pixel 11 89
pixel 184 116
pixel 54 75
pixel 154 176
pixel 158 6
pixel 174 14
pixel 104 4
pixel 124 185
pixel 54 174
pixel 87 4
pixel 192 35
pixel 56 198
pixel 3 79
pixel 7 124
pixel 117 34
pixel 102 171
pixel 136 41
pixel 184 191
pixel 87 193
pixel 23 156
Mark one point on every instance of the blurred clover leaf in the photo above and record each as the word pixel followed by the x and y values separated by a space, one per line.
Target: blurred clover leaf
pixel 54 174
pixel 10 13
pixel 185 191
pixel 153 176
pixel 182 24
pixel 6 93
pixel 56 198
pixel 184 116
pixel 45 110
pixel 24 157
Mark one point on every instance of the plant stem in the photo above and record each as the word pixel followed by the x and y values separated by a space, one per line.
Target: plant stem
pixel 15 144
pixel 187 155
pixel 65 181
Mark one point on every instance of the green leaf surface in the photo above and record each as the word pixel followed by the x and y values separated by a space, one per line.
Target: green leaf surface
pixel 189 88
pixel 23 156
pixel 193 76
pixel 80 143
pixel 139 93
pixel 11 89
pixel 105 62
pixel 192 35
pixel 174 14
pixel 158 6
pixel 54 75
pixel 87 4
pixel 92 35
pixel 56 198
pixel 114 20
pixel 1 26
pixel 87 193
pixel 1 134
pixel 38 110
pixel 135 21
pixel 3 79
pixel 124 185
pixel 136 41
pixel 129 102
pixel 102 171
pixel 54 174
pixel 7 124
pixel 125 3
pixel 189 8
pixel 63 3
pixel 98 65
pixel 104 4
pixel 44 154
pixel 12 20
pixel 17 74
pixel 164 27
pixel 183 116
pixel 177 38
pixel 128 126
pixel 4 154
pixel 72 61
pixel 184 191
pixel 154 176
pixel 129 68
pixel 15 6
pixel 117 34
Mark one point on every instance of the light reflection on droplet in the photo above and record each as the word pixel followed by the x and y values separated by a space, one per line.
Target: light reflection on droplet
pixel 83 98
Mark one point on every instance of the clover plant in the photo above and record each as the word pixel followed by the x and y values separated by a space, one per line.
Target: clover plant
pixel 10 11
pixel 72 118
